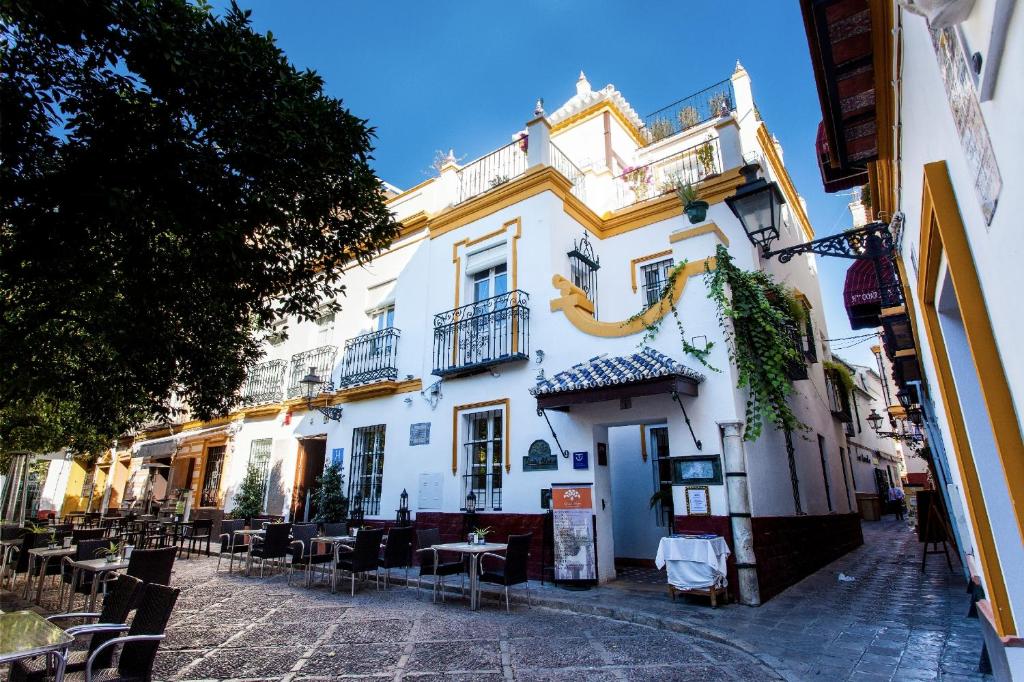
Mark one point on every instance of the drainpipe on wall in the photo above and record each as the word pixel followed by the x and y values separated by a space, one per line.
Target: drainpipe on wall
pixel 738 492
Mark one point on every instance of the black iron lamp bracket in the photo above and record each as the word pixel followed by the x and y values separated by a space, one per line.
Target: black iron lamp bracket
pixel 686 418
pixel 870 241
pixel 542 413
pixel 332 414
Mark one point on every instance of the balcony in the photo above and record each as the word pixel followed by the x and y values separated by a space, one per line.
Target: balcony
pixel 370 357
pixel 263 384
pixel 838 398
pixel 492 170
pixel 711 102
pixel 561 163
pixel 655 179
pixel 473 337
pixel 321 359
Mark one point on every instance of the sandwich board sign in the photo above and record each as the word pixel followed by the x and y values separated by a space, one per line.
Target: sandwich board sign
pixel 572 507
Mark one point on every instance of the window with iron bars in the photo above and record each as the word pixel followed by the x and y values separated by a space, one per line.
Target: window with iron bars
pixel 366 472
pixel 484 456
pixel 259 461
pixel 655 277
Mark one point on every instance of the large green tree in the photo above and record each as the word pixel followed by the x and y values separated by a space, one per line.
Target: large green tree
pixel 169 185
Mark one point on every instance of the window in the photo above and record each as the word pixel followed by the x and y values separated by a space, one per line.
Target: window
pixel 492 282
pixel 366 471
pixel 384 318
pixel 211 479
pixel 810 344
pixel 484 455
pixel 583 267
pixel 259 459
pixel 325 328
pixel 655 277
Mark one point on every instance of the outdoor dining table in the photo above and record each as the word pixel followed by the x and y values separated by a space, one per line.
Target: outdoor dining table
pixel 44 553
pixel 97 566
pixel 249 533
pixel 335 541
pixel 474 551
pixel 26 634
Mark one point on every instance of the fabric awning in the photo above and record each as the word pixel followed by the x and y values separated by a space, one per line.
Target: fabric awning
pixel 861 293
pixel 161 447
pixel 648 372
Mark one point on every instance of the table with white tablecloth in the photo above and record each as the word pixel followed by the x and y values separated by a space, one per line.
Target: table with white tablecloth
pixel 693 562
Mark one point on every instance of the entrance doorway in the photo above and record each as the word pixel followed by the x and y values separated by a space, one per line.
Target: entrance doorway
pixel 641 485
pixel 308 469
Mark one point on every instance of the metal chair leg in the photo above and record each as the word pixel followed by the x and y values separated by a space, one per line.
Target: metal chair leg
pixel 508 609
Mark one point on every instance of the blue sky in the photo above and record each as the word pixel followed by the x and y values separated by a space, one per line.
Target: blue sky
pixel 434 75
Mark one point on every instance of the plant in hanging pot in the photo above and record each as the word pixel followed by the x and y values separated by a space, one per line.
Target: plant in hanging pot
pixel 696 209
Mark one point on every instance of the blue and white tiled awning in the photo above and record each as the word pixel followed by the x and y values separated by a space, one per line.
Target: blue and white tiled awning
pixel 604 372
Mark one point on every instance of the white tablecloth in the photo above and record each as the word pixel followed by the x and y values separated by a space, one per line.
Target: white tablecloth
pixel 693 563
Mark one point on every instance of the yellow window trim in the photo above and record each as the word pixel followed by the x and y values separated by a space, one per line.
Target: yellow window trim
pixel 942 232
pixel 506 404
pixel 643 259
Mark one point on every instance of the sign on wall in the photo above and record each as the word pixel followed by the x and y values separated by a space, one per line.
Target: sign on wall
pixel 419 433
pixel 698 500
pixel 540 457
pixel 575 553
pixel 581 460
pixel 338 457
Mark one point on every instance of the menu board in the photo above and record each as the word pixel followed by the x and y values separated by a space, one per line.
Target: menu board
pixel 572 507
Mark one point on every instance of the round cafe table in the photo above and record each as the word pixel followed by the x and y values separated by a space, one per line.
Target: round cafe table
pixel 474 552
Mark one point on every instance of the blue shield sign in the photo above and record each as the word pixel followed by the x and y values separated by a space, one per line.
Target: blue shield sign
pixel 580 460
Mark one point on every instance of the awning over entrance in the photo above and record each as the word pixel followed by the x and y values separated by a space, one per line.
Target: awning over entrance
pixel 164 447
pixel 611 378
pixel 862 294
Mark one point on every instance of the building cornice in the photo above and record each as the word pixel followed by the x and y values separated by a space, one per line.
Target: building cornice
pixel 796 206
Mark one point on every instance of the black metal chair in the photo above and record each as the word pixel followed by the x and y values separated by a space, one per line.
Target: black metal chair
pixel 273 546
pixel 152 565
pixel 195 533
pixel 431 564
pixel 230 544
pixel 139 646
pixel 364 556
pixel 302 551
pixel 336 529
pixel 397 553
pixel 513 570
pixel 109 622
pixel 85 549
pixel 79 534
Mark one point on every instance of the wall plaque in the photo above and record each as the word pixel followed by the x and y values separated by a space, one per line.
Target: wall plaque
pixel 698 500
pixel 419 433
pixel 540 457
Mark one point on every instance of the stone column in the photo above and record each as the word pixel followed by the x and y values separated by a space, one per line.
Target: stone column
pixel 738 491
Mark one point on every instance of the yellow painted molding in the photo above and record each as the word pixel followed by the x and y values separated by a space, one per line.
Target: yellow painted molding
pixel 785 182
pixel 690 233
pixel 643 259
pixel 456 410
pixel 409 191
pixel 595 110
pixel 571 303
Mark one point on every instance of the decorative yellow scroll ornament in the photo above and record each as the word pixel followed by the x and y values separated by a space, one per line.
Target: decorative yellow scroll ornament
pixel 580 311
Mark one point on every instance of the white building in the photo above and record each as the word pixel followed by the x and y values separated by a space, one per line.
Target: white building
pixel 521 270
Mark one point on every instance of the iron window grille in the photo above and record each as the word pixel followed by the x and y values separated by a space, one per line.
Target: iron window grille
pixel 370 357
pixel 321 358
pixel 484 456
pixel 583 267
pixel 366 473
pixel 478 335
pixel 796 369
pixel 211 479
pixel 838 399
pixel 810 345
pixel 263 383
pixel 655 277
pixel 259 461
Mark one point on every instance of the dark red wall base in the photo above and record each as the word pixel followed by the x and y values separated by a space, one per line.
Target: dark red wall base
pixel 502 525
pixel 789 548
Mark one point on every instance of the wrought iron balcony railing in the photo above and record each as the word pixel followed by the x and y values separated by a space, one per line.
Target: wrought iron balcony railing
pixel 652 180
pixel 711 102
pixel 322 359
pixel 492 170
pixel 264 383
pixel 561 163
pixel 489 332
pixel 370 357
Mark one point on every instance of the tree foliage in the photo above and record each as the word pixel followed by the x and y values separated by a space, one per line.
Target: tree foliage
pixel 249 498
pixel 169 186
pixel 331 503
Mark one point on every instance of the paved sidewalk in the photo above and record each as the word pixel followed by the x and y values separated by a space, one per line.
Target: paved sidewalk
pixel 891 623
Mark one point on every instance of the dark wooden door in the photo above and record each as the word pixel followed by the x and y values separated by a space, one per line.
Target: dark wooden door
pixel 308 469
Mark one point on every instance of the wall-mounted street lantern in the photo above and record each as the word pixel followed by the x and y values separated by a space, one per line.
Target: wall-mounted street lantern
pixel 910 437
pixel 311 388
pixel 757 204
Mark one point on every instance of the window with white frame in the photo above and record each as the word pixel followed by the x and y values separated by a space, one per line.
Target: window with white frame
pixel 483 457
pixel 325 328
pixel 384 318
pixel 655 277
pixel 366 468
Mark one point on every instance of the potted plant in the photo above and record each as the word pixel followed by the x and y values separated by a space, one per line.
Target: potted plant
pixel 481 534
pixel 696 209
pixel 706 157
pixel 111 552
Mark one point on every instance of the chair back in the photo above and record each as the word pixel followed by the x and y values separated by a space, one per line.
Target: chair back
pixel 366 552
pixel 202 527
pixel 11 532
pixel 517 557
pixel 275 542
pixel 30 541
pixel 305 532
pixel 116 607
pixel 398 548
pixel 87 549
pixel 336 529
pixel 79 534
pixel 228 527
pixel 152 565
pixel 151 618
pixel 425 538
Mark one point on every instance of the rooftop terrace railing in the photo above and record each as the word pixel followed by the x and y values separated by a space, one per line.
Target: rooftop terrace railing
pixel 692 110
pixel 561 163
pixel 492 170
pixel 652 180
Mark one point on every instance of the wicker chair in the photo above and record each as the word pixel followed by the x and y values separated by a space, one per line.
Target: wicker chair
pixel 364 557
pixel 228 543
pixel 109 622
pixel 195 533
pixel 79 534
pixel 514 566
pixel 85 549
pixel 302 554
pixel 397 553
pixel 139 646
pixel 274 546
pixel 431 564
pixel 336 529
